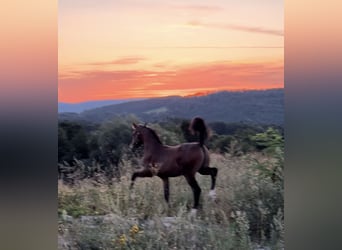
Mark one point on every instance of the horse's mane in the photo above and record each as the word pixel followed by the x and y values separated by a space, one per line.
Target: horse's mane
pixel 154 134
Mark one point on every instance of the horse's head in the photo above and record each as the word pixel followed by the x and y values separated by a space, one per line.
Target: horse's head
pixel 137 137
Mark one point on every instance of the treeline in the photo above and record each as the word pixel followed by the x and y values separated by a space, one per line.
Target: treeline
pixel 99 148
pixel 258 106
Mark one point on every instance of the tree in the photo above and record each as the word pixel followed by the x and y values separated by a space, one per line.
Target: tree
pixel 72 142
pixel 269 140
pixel 113 140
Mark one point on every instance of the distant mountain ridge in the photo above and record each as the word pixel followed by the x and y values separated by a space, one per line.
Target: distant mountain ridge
pixel 82 106
pixel 257 106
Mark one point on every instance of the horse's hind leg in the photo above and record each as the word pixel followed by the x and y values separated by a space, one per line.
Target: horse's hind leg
pixel 195 189
pixel 146 172
pixel 213 173
pixel 209 171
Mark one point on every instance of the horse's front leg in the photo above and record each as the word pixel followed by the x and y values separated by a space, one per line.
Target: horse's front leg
pixel 145 172
pixel 166 189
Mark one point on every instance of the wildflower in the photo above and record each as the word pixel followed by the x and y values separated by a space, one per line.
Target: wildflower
pixel 123 239
pixel 134 229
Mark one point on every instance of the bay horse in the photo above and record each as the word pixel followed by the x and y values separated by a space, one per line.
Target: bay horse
pixel 171 161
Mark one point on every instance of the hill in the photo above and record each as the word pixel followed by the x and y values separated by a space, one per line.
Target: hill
pixel 82 106
pixel 257 106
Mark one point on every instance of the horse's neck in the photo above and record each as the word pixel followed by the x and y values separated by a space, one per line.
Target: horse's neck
pixel 151 147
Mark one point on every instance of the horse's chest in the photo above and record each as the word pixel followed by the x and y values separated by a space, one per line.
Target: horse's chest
pixel 155 167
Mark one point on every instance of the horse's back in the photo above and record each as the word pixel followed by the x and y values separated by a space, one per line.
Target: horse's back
pixel 183 159
pixel 193 155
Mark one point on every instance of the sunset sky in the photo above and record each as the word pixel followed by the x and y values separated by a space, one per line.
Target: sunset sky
pixel 147 48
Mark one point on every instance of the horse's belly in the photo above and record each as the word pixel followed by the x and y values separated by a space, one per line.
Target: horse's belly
pixel 170 170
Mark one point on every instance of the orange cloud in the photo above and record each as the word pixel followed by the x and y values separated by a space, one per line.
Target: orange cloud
pixel 80 86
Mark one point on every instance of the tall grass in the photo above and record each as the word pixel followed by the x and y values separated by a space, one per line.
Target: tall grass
pixel 248 210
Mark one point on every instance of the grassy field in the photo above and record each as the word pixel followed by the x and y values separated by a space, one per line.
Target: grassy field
pixel 247 213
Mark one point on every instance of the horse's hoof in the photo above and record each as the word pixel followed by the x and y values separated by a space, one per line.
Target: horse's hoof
pixel 212 194
pixel 193 212
pixel 132 196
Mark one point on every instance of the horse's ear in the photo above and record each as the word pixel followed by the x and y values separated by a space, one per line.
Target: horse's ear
pixel 134 126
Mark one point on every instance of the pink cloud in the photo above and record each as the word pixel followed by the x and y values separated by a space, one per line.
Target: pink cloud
pixel 200 8
pixel 252 29
pixel 120 61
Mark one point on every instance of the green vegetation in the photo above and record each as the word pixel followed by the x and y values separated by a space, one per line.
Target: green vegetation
pixel 87 150
pixel 98 211
pixel 248 210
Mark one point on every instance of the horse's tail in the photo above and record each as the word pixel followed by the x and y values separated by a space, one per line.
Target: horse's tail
pixel 198 125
